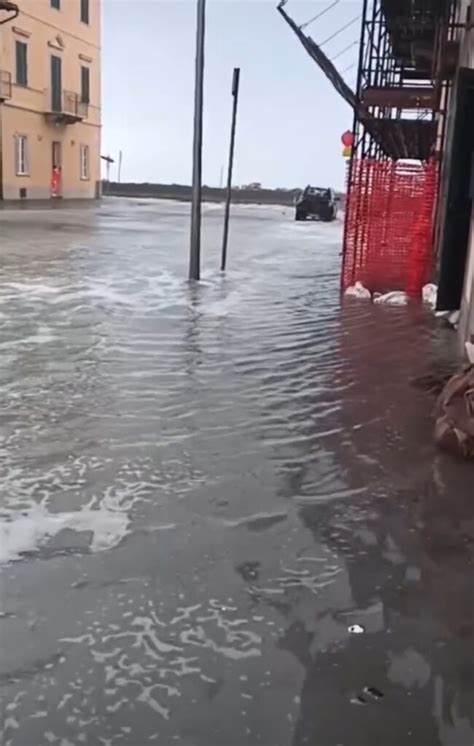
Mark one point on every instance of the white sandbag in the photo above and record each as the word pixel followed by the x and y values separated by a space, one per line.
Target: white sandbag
pixel 395 298
pixel 430 294
pixel 358 291
pixel 453 318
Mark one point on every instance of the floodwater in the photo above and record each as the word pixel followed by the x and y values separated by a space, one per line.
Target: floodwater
pixel 203 488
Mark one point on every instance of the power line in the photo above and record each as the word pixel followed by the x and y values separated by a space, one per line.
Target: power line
pixel 318 15
pixel 349 67
pixel 339 31
pixel 343 51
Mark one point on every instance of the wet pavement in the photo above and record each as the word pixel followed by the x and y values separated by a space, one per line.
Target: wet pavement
pixel 222 521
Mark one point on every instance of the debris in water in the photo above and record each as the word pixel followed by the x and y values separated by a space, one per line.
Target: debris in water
pixel 373 692
pixel 358 701
pixel 358 291
pixel 356 629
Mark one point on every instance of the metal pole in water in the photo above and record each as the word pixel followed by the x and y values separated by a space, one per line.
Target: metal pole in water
pixel 195 253
pixel 119 176
pixel 235 94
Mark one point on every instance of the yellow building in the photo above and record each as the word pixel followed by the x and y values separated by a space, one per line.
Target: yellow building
pixel 50 109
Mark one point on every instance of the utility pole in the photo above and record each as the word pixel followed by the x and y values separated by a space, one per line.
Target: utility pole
pixel 235 94
pixel 195 252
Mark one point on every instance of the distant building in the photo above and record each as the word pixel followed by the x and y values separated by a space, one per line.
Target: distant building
pixel 50 105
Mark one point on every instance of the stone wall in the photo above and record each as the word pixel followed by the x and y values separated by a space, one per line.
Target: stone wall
pixel 209 194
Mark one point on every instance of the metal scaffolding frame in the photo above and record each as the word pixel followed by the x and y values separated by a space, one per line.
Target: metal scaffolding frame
pixel 407 58
pixel 407 54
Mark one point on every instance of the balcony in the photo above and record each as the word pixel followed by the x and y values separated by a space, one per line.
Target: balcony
pixel 5 86
pixel 65 107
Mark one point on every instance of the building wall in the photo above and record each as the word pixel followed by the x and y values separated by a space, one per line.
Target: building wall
pixel 466 325
pixel 48 31
pixel 466 59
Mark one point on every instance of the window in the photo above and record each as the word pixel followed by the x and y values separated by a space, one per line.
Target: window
pixel 56 4
pixel 21 155
pixel 56 83
pixel 85 162
pixel 85 85
pixel 85 11
pixel 21 63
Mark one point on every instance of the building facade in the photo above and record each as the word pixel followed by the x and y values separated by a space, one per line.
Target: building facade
pixel 467 305
pixel 455 240
pixel 50 101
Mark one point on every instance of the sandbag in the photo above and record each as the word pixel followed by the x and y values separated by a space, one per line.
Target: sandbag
pixel 454 429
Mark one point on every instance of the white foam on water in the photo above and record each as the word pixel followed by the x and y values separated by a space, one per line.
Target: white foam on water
pixel 33 288
pixel 43 335
pixel 30 530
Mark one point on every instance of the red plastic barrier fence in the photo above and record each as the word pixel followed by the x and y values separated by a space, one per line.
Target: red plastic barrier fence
pixel 389 225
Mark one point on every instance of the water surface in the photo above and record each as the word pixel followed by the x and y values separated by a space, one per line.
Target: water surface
pixel 204 486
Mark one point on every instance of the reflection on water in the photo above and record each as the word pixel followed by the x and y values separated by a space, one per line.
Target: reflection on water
pixel 204 487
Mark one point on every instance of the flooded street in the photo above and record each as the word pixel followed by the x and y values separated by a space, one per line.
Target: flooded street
pixel 222 519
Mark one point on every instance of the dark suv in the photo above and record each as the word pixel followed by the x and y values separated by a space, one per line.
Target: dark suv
pixel 316 203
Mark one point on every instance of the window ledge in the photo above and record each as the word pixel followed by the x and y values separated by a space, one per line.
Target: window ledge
pixel 21 32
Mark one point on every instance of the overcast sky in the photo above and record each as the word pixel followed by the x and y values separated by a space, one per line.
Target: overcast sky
pixel 290 119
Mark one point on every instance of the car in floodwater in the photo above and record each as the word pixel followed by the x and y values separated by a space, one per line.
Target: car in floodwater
pixel 317 203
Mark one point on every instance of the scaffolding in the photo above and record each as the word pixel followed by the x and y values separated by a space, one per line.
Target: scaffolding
pixel 408 55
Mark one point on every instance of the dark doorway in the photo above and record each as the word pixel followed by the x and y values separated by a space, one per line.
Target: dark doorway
pixel 56 83
pixel 458 194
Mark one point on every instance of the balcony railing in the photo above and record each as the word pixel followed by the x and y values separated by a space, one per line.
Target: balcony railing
pixel 5 85
pixel 66 107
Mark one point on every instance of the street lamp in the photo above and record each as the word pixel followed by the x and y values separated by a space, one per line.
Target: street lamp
pixel 7 7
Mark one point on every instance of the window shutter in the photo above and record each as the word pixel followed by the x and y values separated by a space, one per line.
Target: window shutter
pixel 17 154
pixel 85 11
pixel 24 143
pixel 21 155
pixel 85 85
pixel 21 63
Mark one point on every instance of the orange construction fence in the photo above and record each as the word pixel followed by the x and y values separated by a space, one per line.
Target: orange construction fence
pixel 388 239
